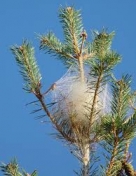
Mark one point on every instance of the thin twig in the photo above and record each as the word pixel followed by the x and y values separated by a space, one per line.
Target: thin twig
pixel 84 36
pixel 52 87
pixel 95 97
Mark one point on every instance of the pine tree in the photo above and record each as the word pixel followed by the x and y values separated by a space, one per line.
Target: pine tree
pixel 107 121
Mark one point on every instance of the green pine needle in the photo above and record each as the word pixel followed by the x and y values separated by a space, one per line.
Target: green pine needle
pixel 102 43
pixel 11 169
pixel 29 70
pixel 52 45
pixel 121 95
pixel 129 127
pixel 72 27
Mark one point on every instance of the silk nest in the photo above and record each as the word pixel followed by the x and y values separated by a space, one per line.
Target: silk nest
pixel 73 99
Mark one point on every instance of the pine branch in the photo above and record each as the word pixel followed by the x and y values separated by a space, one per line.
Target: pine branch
pixel 71 50
pixel 25 58
pixel 29 70
pixel 129 127
pixel 72 27
pixel 53 46
pixel 10 169
pixel 111 169
pixel 102 43
pixel 101 70
pixel 113 145
pixel 110 61
pixel 116 138
pixel 102 62
pixel 13 169
pixel 74 34
pixel 121 94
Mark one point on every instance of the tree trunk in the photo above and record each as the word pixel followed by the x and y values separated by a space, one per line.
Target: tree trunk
pixel 86 160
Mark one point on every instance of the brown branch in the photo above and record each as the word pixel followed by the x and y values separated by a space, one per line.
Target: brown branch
pixel 127 155
pixel 95 97
pixel 81 67
pixel 114 152
pixel 84 36
pixel 41 100
pixel 79 56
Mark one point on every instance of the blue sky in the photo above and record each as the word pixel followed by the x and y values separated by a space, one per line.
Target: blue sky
pixel 20 135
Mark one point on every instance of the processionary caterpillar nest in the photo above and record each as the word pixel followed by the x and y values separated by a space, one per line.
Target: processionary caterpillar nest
pixel 74 99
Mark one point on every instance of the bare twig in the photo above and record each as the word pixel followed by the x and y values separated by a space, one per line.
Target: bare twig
pixel 52 87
